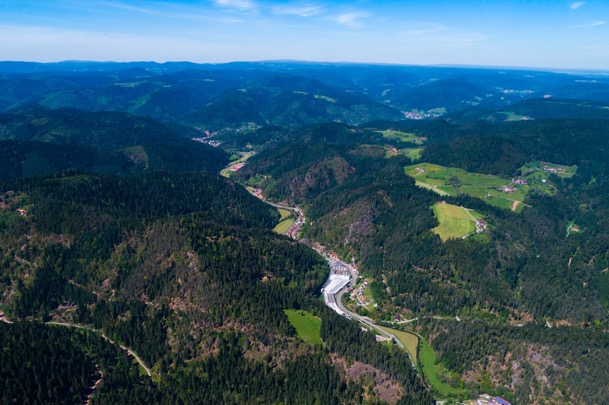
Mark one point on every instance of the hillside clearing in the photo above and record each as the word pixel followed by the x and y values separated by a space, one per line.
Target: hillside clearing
pixel 307 326
pixel 427 361
pixel 283 226
pixel 455 221
pixel 284 213
pixel 403 136
pixel 409 340
pixel 493 190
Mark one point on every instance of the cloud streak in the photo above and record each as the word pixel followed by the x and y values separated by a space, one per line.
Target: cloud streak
pixel 351 19
pixel 126 7
pixel 591 24
pixel 440 35
pixel 301 11
pixel 241 5
pixel 577 4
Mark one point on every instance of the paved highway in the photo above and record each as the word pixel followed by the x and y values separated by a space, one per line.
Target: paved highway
pixel 366 321
pixel 334 301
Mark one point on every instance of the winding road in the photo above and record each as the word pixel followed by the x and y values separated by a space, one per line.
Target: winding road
pixel 125 348
pixel 334 301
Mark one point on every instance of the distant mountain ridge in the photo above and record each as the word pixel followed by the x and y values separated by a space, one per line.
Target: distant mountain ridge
pixel 282 92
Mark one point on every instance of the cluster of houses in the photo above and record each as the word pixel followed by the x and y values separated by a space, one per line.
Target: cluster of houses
pixel 420 139
pixel 480 225
pixel 294 230
pixel 554 170
pixel 511 187
pixel 420 170
pixel 257 192
pixel 236 167
pixel 207 138
pixel 358 293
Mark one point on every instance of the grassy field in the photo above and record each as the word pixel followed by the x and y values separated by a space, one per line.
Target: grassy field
pixel 545 169
pixel 413 153
pixel 284 213
pixel 283 226
pixel 402 136
pixel 510 116
pixel 226 172
pixel 409 340
pixel 455 222
pixel 450 181
pixel 307 326
pixel 410 153
pixel 427 361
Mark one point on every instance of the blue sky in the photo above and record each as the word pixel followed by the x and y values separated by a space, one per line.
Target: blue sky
pixel 556 34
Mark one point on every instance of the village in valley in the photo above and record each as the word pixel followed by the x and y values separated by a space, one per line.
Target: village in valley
pixel 454 222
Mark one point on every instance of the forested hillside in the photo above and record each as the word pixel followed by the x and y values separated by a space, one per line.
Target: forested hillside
pixel 118 236
pixel 37 141
pixel 524 270
pixel 181 269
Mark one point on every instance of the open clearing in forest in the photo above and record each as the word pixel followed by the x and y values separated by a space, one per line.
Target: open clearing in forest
pixel 409 340
pixel 236 164
pixel 411 153
pixel 449 181
pixel 455 222
pixel 283 226
pixel 545 169
pixel 403 136
pixel 307 326
pixel 284 213
pixel 427 361
pixel 572 228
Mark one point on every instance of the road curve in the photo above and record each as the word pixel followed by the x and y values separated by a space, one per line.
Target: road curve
pixel 337 298
pixel 129 351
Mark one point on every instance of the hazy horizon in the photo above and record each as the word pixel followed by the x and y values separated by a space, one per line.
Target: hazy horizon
pixel 541 35
pixel 321 62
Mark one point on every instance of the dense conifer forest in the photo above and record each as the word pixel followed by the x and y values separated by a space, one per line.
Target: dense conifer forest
pixel 118 236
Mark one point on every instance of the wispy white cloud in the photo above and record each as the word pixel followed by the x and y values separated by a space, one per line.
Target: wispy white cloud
pixel 126 7
pixel 441 35
pixel 236 4
pixel 577 4
pixel 207 18
pixel 307 10
pixel 597 23
pixel 351 19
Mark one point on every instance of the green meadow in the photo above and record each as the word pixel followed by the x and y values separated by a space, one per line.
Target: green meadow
pixel 307 326
pixel 427 361
pixel 402 136
pixel 449 181
pixel 455 222
pixel 283 226
pixel 284 213
pixel 546 169
pixel 409 340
